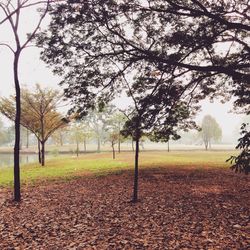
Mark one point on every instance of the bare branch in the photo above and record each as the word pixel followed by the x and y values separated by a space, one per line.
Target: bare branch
pixel 7 45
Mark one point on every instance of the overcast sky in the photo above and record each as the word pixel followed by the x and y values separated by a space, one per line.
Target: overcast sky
pixel 32 70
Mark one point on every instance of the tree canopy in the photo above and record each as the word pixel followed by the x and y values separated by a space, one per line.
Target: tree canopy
pixel 204 44
pixel 38 114
pixel 210 130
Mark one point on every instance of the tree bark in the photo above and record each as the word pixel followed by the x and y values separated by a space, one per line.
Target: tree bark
pixel 17 192
pixel 135 194
pixel 113 148
pixel 43 153
pixel 168 146
pixel 39 151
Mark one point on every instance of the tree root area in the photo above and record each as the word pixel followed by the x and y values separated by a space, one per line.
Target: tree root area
pixel 177 209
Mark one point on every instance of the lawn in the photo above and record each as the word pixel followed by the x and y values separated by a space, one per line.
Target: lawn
pixel 70 167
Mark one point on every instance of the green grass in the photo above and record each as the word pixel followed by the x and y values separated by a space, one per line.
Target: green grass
pixel 69 167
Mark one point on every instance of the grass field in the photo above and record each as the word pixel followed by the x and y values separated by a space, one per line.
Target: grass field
pixel 69 167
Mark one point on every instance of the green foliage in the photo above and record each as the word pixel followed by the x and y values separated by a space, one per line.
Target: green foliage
pixel 242 161
pixel 210 129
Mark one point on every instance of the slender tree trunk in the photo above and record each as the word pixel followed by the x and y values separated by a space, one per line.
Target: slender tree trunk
pixel 209 144
pixel 77 148
pixel 168 146
pixel 27 138
pixel 135 194
pixel 39 151
pixel 98 145
pixel 43 153
pixel 206 145
pixel 85 145
pixel 119 141
pixel 113 148
pixel 17 192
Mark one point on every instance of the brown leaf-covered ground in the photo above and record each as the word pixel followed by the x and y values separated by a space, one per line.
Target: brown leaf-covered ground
pixel 178 209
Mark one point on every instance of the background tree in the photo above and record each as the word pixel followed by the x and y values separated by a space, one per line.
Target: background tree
pixel 210 130
pixel 11 14
pixel 115 124
pixel 39 113
pixel 97 120
pixel 79 133
pixel 113 137
pixel 60 135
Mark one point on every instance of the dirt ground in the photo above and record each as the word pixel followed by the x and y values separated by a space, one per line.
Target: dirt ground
pixel 178 209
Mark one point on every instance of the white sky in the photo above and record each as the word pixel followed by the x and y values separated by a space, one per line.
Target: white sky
pixel 32 70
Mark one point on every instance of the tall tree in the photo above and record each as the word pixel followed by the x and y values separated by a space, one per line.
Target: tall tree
pixel 210 130
pixel 160 107
pixel 11 13
pixel 39 113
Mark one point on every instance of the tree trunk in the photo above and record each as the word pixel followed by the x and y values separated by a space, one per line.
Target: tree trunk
pixel 17 192
pixel 98 145
pixel 168 146
pixel 119 142
pixel 206 145
pixel 77 148
pixel 39 151
pixel 135 194
pixel 85 145
pixel 113 148
pixel 209 144
pixel 43 153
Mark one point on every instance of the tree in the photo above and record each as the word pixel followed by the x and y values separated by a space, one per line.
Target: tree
pixel 97 121
pixel 159 110
pixel 210 130
pixel 39 113
pixel 115 124
pixel 11 13
pixel 60 135
pixel 113 138
pixel 79 132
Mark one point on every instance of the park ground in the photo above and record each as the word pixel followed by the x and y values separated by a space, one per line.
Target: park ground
pixel 188 200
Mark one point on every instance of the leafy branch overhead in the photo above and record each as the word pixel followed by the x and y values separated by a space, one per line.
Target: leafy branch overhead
pixel 202 44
